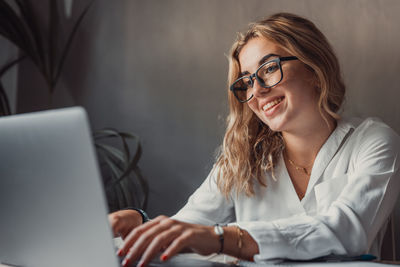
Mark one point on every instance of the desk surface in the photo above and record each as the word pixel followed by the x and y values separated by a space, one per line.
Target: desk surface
pixel 200 261
pixel 319 264
pixel 314 264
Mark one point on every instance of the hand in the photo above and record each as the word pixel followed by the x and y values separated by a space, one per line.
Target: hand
pixel 169 236
pixel 124 221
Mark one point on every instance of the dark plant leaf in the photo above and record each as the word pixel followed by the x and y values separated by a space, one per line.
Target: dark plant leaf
pixel 122 189
pixel 108 132
pixel 8 34
pixel 115 194
pixel 26 9
pixel 5 109
pixel 124 136
pixel 52 39
pixel 69 42
pixel 10 64
pixel 129 177
pixel 105 133
pixel 8 17
pixel 115 152
pixel 4 102
pixel 15 30
pixel 126 172
pixel 137 156
pixel 131 166
pixel 126 189
pixel 116 170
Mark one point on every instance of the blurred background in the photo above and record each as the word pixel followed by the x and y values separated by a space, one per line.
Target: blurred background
pixel 159 69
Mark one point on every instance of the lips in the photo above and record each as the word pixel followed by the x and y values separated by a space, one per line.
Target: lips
pixel 272 103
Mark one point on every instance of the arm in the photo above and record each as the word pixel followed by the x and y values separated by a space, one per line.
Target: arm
pixel 191 229
pixel 207 205
pixel 171 237
pixel 350 224
pixel 249 246
pixel 122 222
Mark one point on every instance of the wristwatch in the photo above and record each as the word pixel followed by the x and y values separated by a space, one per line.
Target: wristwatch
pixel 220 232
pixel 145 217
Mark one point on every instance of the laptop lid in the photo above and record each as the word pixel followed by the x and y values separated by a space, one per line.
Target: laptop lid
pixel 53 209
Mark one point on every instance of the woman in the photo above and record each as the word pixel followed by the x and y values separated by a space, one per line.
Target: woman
pixel 293 179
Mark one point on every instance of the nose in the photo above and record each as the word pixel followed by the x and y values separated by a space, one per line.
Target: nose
pixel 259 90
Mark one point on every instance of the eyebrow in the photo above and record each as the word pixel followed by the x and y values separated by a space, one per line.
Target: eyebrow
pixel 260 62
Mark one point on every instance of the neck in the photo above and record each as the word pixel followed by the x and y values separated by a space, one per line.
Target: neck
pixel 302 145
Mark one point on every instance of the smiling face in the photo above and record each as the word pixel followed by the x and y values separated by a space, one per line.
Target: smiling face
pixel 289 106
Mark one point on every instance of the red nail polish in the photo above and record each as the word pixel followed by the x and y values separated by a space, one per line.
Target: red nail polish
pixel 119 253
pixel 125 262
pixel 164 257
pixel 140 264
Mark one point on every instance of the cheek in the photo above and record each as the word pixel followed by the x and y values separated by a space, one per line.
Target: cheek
pixel 252 105
pixel 302 98
pixel 301 90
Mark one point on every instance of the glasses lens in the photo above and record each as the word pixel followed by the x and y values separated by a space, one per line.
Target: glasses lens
pixel 242 89
pixel 270 74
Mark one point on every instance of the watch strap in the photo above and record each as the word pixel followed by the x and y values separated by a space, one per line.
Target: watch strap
pixel 220 232
pixel 145 217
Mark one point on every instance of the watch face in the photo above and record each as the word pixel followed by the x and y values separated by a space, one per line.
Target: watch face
pixel 218 230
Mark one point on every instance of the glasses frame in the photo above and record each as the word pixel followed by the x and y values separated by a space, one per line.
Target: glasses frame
pixel 278 60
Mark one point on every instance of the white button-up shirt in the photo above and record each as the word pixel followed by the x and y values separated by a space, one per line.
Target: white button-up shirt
pixel 353 187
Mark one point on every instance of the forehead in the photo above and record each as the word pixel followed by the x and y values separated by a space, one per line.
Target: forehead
pixel 255 50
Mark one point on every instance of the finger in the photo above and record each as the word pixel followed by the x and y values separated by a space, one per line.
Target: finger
pixel 124 231
pixel 120 223
pixel 146 238
pixel 123 221
pixel 162 240
pixel 177 245
pixel 114 224
pixel 135 233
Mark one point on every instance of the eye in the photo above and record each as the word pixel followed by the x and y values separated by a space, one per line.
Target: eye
pixel 271 68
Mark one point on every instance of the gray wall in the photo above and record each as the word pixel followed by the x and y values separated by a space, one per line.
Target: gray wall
pixel 158 68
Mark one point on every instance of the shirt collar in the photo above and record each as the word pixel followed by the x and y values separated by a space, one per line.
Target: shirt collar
pixel 329 149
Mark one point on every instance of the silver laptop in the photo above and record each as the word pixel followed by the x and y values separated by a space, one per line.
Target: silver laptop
pixel 53 211
pixel 52 204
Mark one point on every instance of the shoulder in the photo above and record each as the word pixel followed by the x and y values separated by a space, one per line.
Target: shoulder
pixel 373 141
pixel 372 130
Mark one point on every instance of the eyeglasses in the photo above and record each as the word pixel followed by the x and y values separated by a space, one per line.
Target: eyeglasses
pixel 268 75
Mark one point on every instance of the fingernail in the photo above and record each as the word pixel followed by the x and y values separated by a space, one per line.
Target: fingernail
pixel 125 262
pixel 119 252
pixel 164 257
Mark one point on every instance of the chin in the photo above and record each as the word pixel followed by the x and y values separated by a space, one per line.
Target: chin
pixel 276 125
pixel 275 128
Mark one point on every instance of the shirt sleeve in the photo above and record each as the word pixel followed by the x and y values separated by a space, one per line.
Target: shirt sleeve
pixel 350 224
pixel 207 205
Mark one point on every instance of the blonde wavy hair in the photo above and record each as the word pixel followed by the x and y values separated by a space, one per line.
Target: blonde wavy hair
pixel 250 148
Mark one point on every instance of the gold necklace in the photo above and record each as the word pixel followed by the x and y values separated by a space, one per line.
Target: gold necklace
pixel 299 168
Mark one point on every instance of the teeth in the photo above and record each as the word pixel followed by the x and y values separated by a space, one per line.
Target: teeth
pixel 272 103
